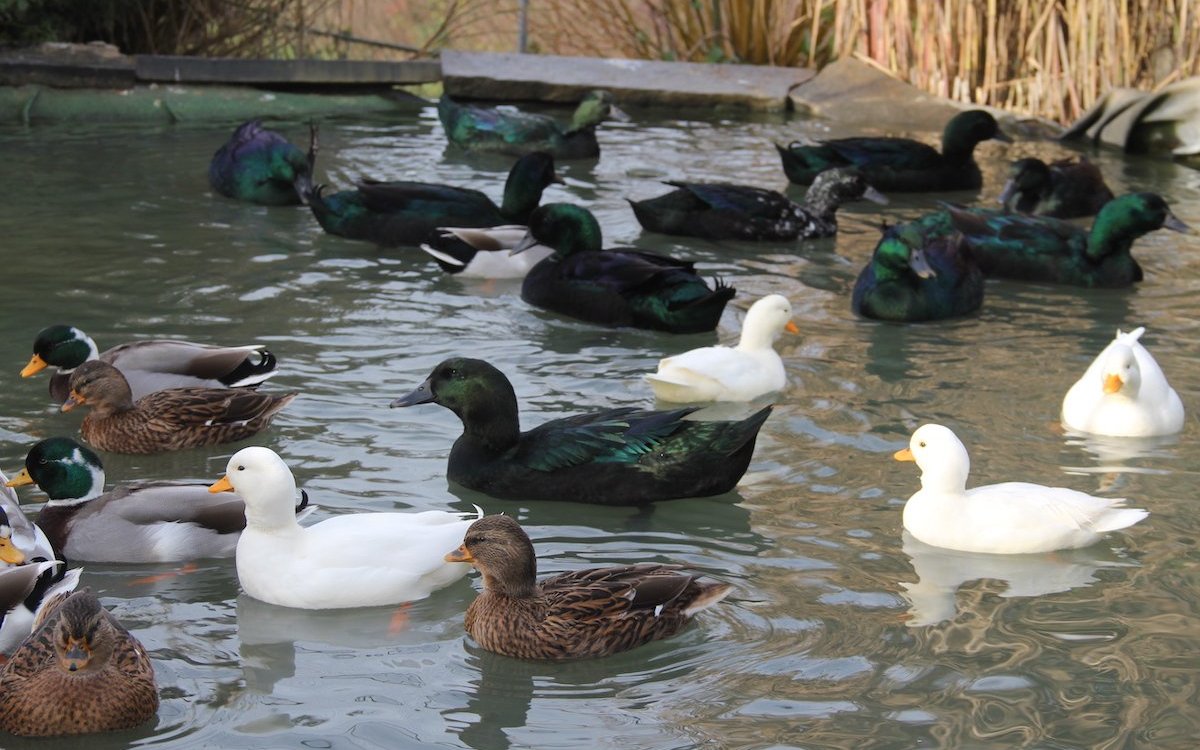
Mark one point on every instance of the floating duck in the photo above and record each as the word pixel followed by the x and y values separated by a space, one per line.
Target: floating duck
pixel 261 166
pixel 509 131
pixel 721 373
pixel 577 615
pixel 150 365
pixel 1064 189
pixel 134 523
pixel 614 287
pixel 1123 393
pixel 1007 518
pixel 352 560
pixel 484 253
pixel 169 420
pixel 80 672
pixel 611 457
pixel 722 211
pixel 900 165
pixel 407 213
pixel 917 274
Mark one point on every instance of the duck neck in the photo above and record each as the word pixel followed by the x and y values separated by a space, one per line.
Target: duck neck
pixel 490 420
pixel 277 513
pixel 522 194
pixel 1112 233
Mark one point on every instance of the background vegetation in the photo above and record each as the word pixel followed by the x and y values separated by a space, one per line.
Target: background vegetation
pixel 1047 57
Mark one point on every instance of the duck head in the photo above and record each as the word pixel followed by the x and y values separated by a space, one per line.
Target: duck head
pixel 529 177
pixel 595 107
pixel 1027 180
pixel 471 388
pixel 68 472
pixel 765 321
pixel 100 386
pixel 84 637
pixel 65 347
pixel 966 129
pixel 941 456
pixel 265 484
pixel 563 226
pixel 1120 372
pixel 10 553
pixel 1133 215
pixel 900 253
pixel 833 187
pixel 501 550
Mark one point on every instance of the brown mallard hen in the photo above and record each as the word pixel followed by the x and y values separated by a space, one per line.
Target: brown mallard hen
pixel 576 615
pixel 79 672
pixel 167 420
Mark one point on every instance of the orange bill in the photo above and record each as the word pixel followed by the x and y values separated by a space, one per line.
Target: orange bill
pixel 1113 383
pixel 221 485
pixel 36 365
pixel 21 479
pixel 903 455
pixel 459 555
pixel 73 400
pixel 791 327
pixel 9 553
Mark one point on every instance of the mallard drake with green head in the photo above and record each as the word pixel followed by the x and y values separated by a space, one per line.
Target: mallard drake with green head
pixel 577 615
pixel 169 420
pixel 918 274
pixel 509 131
pixel 722 211
pixel 79 672
pixel 261 166
pixel 900 165
pixel 1064 189
pixel 408 213
pixel 620 456
pixel 1038 248
pixel 351 560
pixel 614 287
pixel 150 365
pixel 134 523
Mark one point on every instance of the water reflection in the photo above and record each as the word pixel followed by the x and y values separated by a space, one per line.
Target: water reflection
pixel 941 572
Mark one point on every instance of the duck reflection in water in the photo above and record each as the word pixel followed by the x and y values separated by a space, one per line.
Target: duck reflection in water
pixel 940 572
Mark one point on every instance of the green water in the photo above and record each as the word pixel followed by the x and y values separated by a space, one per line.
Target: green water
pixel 829 639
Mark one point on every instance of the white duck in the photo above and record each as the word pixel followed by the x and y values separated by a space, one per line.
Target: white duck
pixel 1123 393
pixel 484 253
pixel 722 373
pixel 355 560
pixel 1007 518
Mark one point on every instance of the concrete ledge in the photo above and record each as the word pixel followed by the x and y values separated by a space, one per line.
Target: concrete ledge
pixel 479 75
pixel 171 69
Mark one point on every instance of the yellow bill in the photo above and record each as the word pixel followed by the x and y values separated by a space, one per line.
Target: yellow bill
pixel 36 365
pixel 903 455
pixel 459 555
pixel 19 480
pixel 221 485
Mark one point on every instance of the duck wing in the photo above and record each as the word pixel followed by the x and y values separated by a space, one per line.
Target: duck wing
pixel 893 153
pixel 391 197
pixel 190 407
pixel 152 503
pixel 614 592
pixel 739 199
pixel 611 436
pixel 465 123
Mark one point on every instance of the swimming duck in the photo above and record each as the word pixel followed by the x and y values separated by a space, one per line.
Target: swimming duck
pixel 261 166
pixel 613 457
pixel 352 560
pixel 169 420
pixel 899 164
pixel 1064 189
pixel 917 274
pixel 21 540
pixel 506 131
pixel 407 213
pixel 721 373
pixel 1123 393
pixel 484 253
pixel 150 365
pixel 616 287
pixel 79 672
pixel 135 523
pixel 1007 518
pixel 721 211
pixel 1038 248
pixel 577 615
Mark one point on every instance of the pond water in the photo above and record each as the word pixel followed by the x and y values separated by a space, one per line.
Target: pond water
pixel 840 633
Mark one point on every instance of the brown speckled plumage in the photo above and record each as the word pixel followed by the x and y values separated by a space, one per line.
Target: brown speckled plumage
pixel 582 614
pixel 114 689
pixel 168 420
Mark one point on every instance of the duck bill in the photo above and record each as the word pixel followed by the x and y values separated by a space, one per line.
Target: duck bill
pixel 37 364
pixel 9 552
pixel 1002 137
pixel 20 479
pixel 903 455
pixel 221 485
pixel 1010 189
pixel 875 196
pixel 556 177
pixel 76 655
pixel 920 266
pixel 1172 222
pixel 791 327
pixel 616 113
pixel 422 394
pixel 459 555
pixel 1112 384
pixel 72 401
pixel 524 244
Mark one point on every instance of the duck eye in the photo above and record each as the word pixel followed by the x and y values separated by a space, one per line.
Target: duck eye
pixel 241 468
pixel 452 373
pixel 921 444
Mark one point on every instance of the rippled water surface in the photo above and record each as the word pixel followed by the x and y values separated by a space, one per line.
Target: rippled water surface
pixel 841 632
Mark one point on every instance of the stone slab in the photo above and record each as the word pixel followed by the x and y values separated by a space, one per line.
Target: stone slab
pixel 554 78
pixel 179 69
